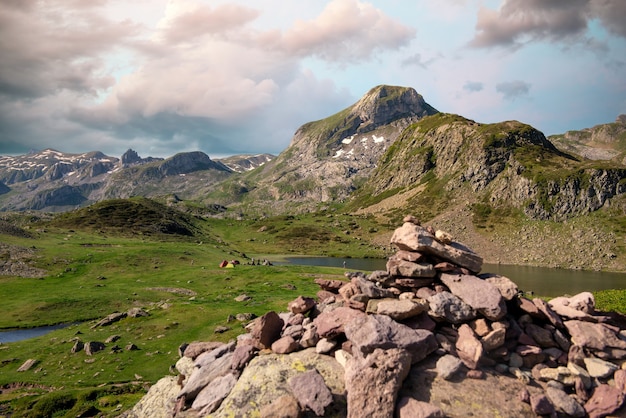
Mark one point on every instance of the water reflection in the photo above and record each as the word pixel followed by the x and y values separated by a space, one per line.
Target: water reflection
pixel 540 280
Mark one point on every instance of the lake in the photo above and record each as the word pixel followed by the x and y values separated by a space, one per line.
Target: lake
pixel 540 280
pixel 13 335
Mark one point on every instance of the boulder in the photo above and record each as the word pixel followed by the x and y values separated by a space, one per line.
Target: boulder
pixel 373 381
pixel 301 305
pixel 563 402
pixel 481 295
pixel 411 237
pixel 403 268
pixel 372 332
pixel 604 401
pixel 508 289
pixel 266 377
pixel 210 398
pixel 311 392
pixel 285 345
pixel 267 329
pixel 400 309
pixel 408 407
pixel 448 307
pixel 593 336
pixel 160 401
pixel 468 347
pixel 331 323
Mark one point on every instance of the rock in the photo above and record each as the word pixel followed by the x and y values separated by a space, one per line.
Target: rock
pixel 267 329
pixel 549 313
pixel 451 308
pixel 330 324
pixel 208 367
pixel 560 374
pixel 159 402
pixel 370 289
pixel 311 391
pixel 210 398
pixel 293 331
pixel 563 402
pixel 330 285
pixel 443 237
pixel 541 405
pixel 599 368
pixel 242 355
pixel 112 339
pixel 372 332
pixel 342 357
pixel 185 366
pixel 620 380
pixel 402 268
pixel 593 336
pixel 481 295
pixel 411 408
pixel 110 319
pixel 309 336
pixel 93 347
pixel 27 365
pixel 448 366
pixel 78 346
pixel 285 345
pixel 285 406
pixel 402 309
pixel 242 298
pixel 381 373
pixel 136 313
pixel 325 346
pixel 604 401
pixel 301 305
pixel 266 379
pixel 348 290
pixel 508 289
pixel 542 336
pixel 196 348
pixel 131 347
pixel 411 256
pixel 413 237
pixel 561 306
pixel 468 347
pixel 581 374
pixel 494 339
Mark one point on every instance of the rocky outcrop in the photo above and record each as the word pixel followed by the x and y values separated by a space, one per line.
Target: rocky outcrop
pixel 356 355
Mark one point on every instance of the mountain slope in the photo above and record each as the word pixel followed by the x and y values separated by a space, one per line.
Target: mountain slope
pixel 506 164
pixel 327 159
pixel 601 142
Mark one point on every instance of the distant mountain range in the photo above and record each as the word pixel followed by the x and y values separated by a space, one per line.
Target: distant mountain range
pixel 391 151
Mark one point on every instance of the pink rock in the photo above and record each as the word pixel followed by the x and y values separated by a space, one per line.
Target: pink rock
pixel 311 391
pixel 541 405
pixel 285 345
pixel 330 324
pixel 348 290
pixel 593 336
pixel 409 255
pixel 468 347
pixel 267 329
pixel 548 312
pixel 604 401
pixel 403 268
pixel 330 285
pixel 484 297
pixel 411 408
pixel 301 305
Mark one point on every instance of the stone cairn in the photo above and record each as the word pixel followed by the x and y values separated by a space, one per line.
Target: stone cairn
pixel 348 352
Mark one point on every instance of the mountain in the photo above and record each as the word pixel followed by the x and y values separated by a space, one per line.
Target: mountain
pixel 327 159
pixel 601 142
pixel 54 181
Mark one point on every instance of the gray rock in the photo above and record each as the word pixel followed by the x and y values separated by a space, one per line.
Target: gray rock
pixel 325 346
pixel 372 332
pixel 159 402
pixel 210 398
pixel 403 268
pixel 93 347
pixel 311 391
pixel 400 309
pixel 413 237
pixel 27 365
pixel 599 368
pixel 542 336
pixel 447 366
pixel 209 366
pixel 136 313
pixel 373 382
pixel 266 379
pixel 541 405
pixel 370 289
pixel 446 306
pixel 194 349
pixel 109 319
pixel 481 295
pixel 548 312
pixel 563 402
pixel 508 289
pixel 242 355
pixel 494 339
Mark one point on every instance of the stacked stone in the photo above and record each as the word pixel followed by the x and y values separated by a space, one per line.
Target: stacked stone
pixel 356 344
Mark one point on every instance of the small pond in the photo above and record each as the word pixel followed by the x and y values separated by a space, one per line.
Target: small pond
pixel 12 335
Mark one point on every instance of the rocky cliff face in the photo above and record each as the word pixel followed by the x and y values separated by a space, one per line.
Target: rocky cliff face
pixel 505 164
pixel 601 142
pixel 328 158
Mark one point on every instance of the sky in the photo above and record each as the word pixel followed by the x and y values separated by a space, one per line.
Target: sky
pixel 231 77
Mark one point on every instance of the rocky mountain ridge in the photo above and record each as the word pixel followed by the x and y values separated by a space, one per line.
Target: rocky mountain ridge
pixel 54 181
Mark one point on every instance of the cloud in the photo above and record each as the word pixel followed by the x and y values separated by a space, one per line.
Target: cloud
pixel 521 21
pixel 513 89
pixel 612 14
pixel 345 31
pixel 473 86
pixel 418 60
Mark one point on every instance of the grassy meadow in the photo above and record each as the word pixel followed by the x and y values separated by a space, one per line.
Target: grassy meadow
pixel 96 265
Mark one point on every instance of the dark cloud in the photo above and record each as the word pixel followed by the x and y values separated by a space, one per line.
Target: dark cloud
pixel 521 21
pixel 473 86
pixel 612 14
pixel 511 90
